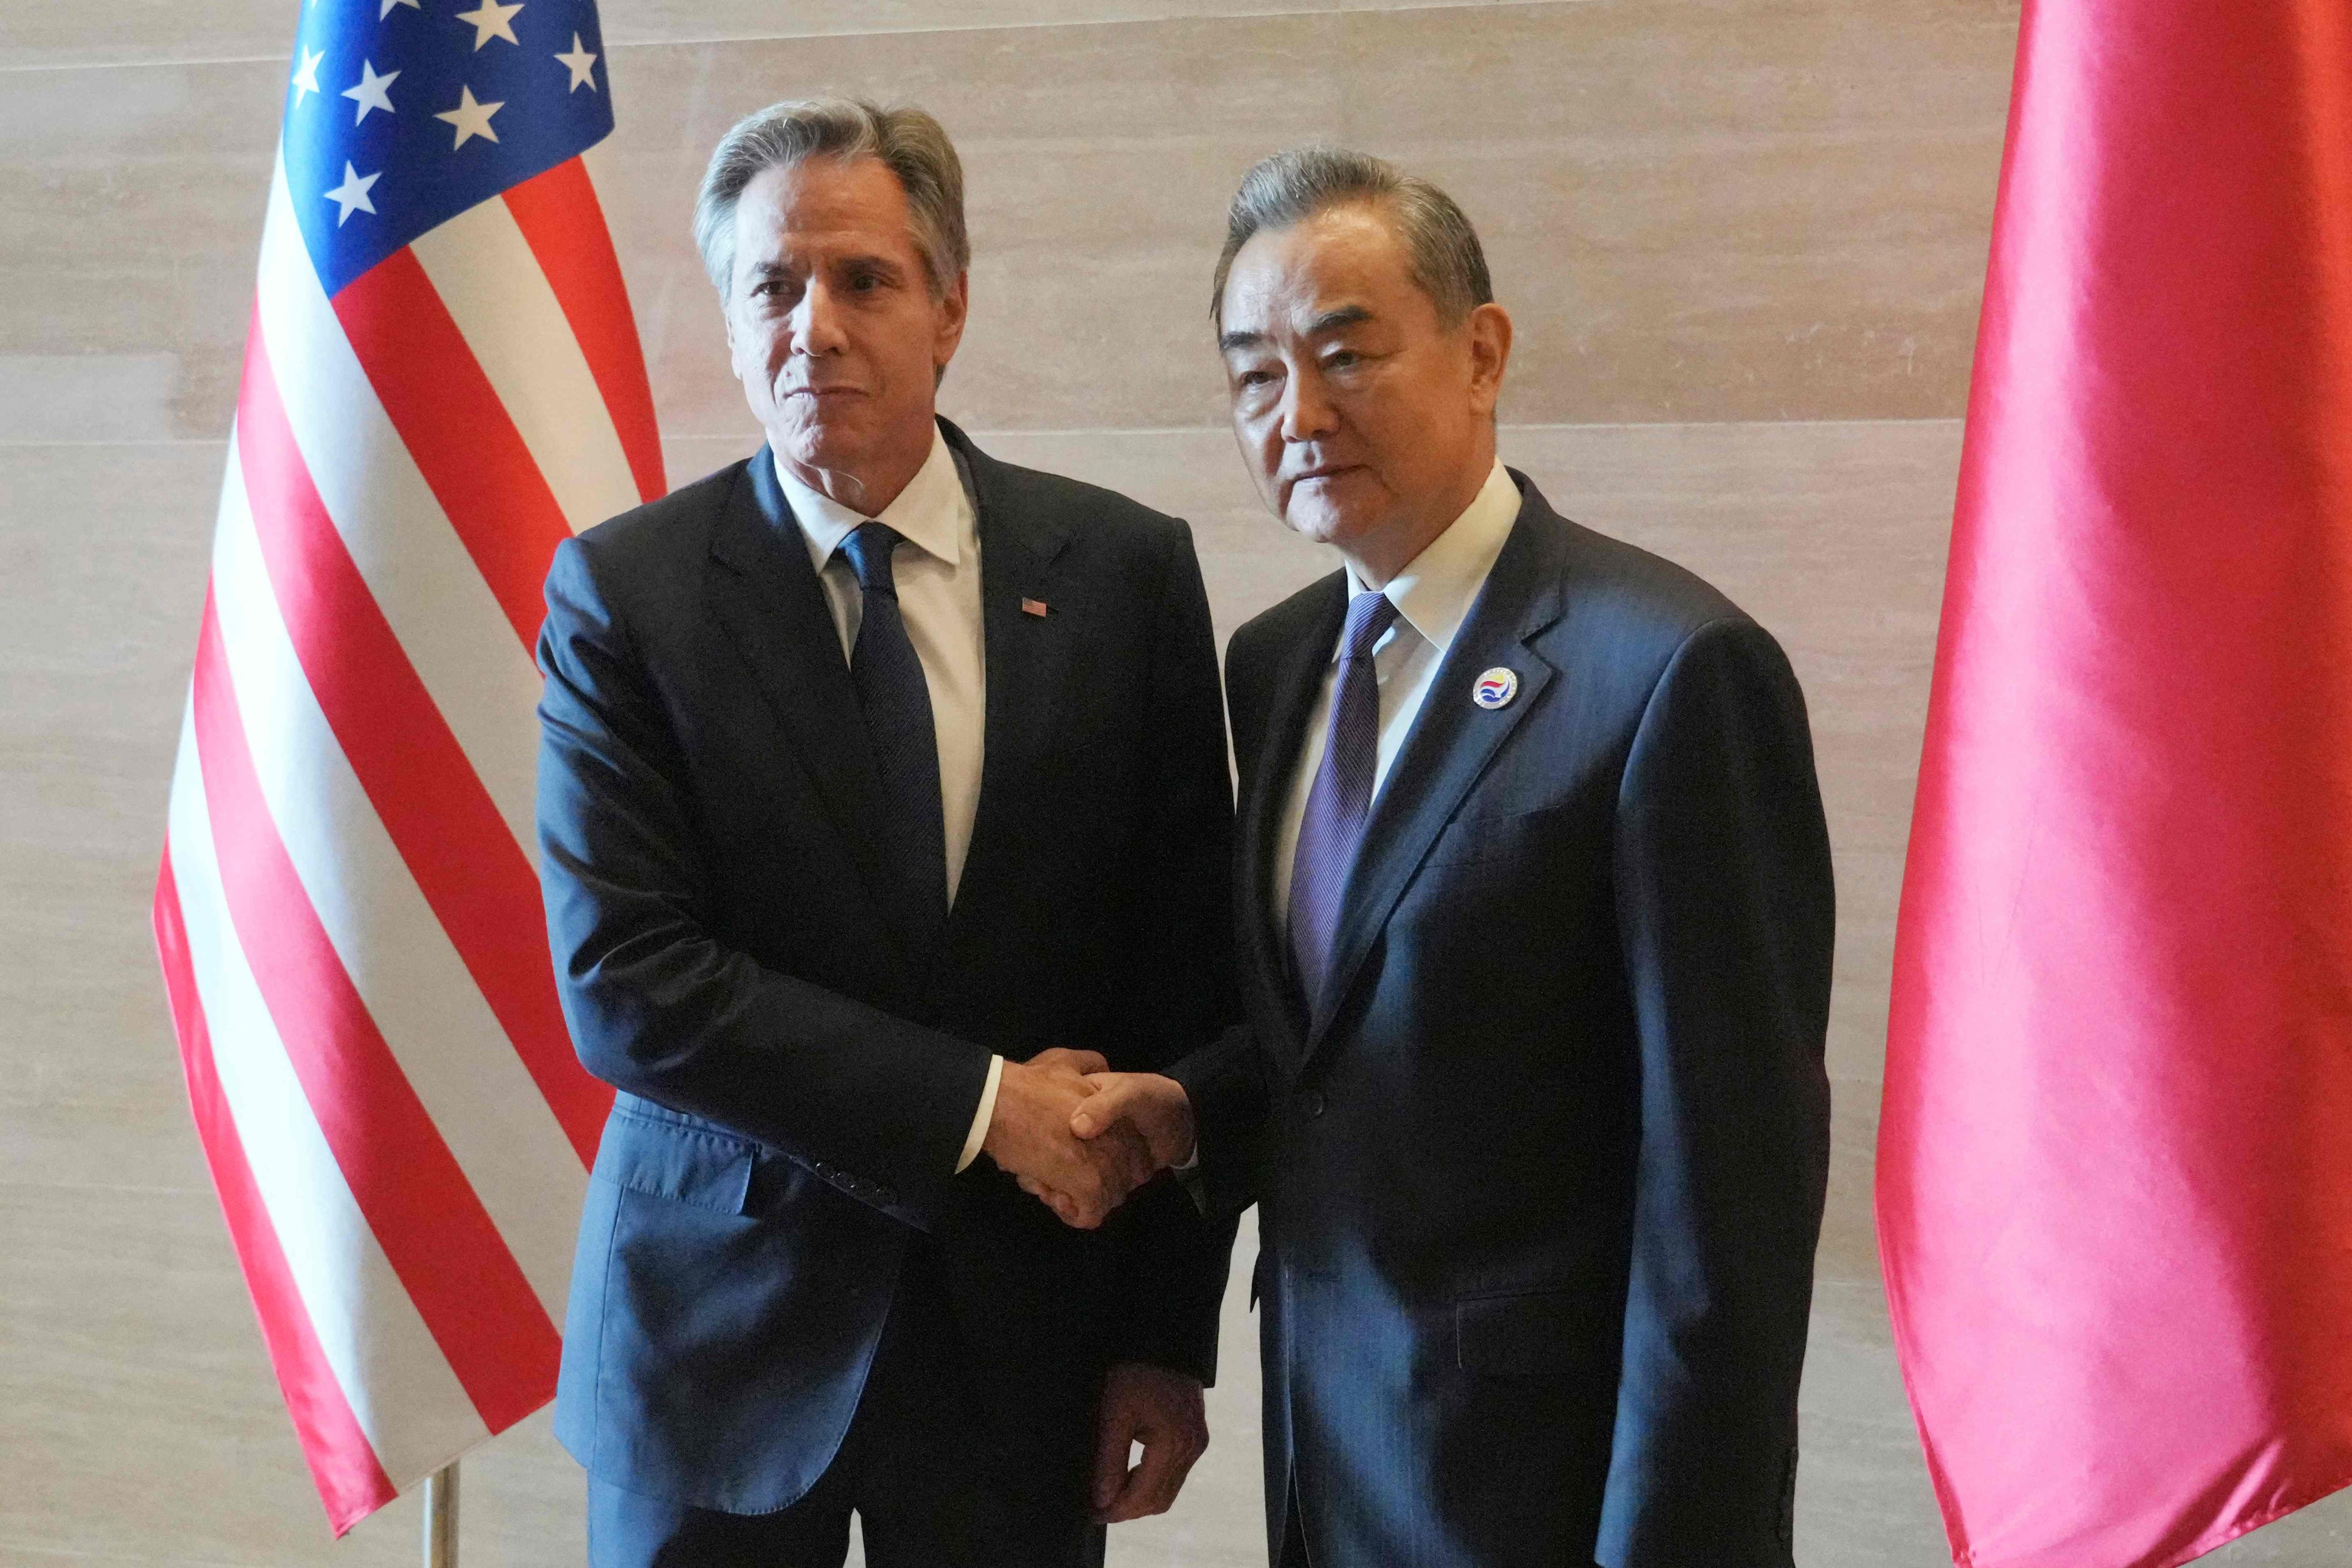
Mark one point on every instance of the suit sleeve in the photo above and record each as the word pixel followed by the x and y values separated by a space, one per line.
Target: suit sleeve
pixel 1228 1080
pixel 1726 913
pixel 1173 1258
pixel 658 1007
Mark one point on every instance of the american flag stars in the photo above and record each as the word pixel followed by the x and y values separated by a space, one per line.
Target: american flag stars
pixel 490 20
pixel 351 195
pixel 370 92
pixel 471 118
pixel 306 74
pixel 582 64
pixel 451 101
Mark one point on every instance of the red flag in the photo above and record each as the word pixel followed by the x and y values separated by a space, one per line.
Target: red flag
pixel 2114 1179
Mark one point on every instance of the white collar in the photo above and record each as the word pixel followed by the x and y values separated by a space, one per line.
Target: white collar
pixel 1437 587
pixel 932 513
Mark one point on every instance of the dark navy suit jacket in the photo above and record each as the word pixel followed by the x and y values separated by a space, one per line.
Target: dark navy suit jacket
pixel 1541 1173
pixel 796 1079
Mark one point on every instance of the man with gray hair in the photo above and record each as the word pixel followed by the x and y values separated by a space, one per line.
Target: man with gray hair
pixel 875 777
pixel 1535 946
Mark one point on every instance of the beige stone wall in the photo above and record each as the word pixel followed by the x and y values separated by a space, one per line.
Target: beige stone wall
pixel 1742 241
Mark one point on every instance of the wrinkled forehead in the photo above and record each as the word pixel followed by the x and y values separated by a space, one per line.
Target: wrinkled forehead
pixel 1340 269
pixel 822 205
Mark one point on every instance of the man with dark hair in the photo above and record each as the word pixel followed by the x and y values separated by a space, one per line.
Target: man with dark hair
pixel 1536 918
pixel 871 766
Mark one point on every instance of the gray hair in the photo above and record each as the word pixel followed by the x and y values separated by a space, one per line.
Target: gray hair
pixel 909 142
pixel 1293 186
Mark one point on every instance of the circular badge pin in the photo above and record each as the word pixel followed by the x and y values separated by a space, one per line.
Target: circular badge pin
pixel 1495 688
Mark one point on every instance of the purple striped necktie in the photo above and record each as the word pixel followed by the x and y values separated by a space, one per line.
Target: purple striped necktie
pixel 1333 826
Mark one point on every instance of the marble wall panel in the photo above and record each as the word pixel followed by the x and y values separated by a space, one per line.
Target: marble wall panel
pixel 1729 210
pixel 106 549
pixel 131 206
pixel 1695 217
pixel 55 32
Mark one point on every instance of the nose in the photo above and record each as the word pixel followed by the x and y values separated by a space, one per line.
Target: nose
pixel 816 321
pixel 1307 411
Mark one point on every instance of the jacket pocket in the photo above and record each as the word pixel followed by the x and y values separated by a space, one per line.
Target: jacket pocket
pixel 681 1164
pixel 1527 1332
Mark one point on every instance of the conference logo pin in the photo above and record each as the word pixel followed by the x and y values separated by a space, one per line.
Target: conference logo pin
pixel 1495 688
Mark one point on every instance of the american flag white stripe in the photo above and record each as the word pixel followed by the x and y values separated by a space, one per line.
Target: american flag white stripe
pixel 441 385
pixel 371 1335
pixel 420 575
pixel 430 1011
pixel 483 269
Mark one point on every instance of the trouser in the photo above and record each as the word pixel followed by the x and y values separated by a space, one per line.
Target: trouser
pixel 922 1466
pixel 1293 1533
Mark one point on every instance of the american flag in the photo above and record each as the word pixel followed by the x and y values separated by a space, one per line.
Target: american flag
pixel 442 381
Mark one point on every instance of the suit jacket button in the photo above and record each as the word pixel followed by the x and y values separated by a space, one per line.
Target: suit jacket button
pixel 1314 1102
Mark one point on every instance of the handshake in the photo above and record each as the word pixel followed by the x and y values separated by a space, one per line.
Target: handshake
pixel 1079 1137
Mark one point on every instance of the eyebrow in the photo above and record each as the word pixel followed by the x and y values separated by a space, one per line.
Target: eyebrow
pixel 876 261
pixel 1332 320
pixel 1329 322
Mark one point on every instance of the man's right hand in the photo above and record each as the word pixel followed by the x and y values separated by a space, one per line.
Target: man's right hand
pixel 1029 1136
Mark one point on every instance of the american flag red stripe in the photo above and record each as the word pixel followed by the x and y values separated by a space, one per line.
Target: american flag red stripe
pixel 347 912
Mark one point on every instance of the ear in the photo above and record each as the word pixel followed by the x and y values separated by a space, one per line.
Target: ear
pixel 1490 354
pixel 953 308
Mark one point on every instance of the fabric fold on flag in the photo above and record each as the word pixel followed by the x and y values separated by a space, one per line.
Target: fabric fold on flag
pixel 2115 1168
pixel 442 383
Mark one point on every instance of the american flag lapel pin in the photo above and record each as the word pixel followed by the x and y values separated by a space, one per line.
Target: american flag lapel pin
pixel 1036 607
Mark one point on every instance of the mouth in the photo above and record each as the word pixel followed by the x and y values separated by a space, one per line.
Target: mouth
pixel 824 393
pixel 1328 471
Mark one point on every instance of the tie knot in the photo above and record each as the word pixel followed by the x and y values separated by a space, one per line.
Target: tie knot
pixel 1370 615
pixel 868 549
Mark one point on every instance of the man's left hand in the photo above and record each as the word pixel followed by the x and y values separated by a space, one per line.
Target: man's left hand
pixel 1163 1411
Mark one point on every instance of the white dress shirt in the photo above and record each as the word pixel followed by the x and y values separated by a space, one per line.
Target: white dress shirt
pixel 938 599
pixel 1432 596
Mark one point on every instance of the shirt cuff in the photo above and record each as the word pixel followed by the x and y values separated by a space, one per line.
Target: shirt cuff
pixel 986 1113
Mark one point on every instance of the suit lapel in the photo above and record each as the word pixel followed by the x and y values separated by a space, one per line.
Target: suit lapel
pixel 1027 669
pixel 1452 740
pixel 764 592
pixel 1296 680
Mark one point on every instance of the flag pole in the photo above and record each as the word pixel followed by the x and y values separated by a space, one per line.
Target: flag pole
pixel 441 1517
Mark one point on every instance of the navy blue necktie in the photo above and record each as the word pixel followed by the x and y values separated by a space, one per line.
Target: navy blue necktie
pixel 1332 829
pixel 897 701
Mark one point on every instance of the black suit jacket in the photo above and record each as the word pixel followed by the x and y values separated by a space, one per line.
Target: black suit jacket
pixel 1542 1172
pixel 797 1078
